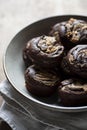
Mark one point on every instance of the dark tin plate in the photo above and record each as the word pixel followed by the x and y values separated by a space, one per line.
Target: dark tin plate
pixel 14 65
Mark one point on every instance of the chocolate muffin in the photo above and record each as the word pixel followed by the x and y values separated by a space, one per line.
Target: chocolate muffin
pixel 45 51
pixel 71 32
pixel 73 92
pixel 76 60
pixel 41 83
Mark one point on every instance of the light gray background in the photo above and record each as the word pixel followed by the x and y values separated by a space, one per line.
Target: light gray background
pixel 16 14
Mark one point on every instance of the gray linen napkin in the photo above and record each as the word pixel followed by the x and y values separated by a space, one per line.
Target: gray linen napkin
pixel 26 115
pixel 15 111
pixel 18 120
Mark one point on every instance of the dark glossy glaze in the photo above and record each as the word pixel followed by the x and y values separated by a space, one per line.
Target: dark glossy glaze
pixel 77 60
pixel 41 83
pixel 45 51
pixel 73 92
pixel 71 32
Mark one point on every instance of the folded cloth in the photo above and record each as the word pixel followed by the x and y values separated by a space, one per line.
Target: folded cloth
pixel 17 120
pixel 25 114
pixel 14 111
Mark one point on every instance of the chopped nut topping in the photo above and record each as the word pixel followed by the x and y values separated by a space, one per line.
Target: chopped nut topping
pixel 71 20
pixel 52 49
pixel 74 29
pixel 75 36
pixel 69 34
pixel 48 44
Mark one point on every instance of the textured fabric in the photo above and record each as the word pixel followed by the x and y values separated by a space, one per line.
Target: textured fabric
pixel 17 120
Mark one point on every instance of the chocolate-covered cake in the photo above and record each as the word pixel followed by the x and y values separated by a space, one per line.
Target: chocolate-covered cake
pixel 45 51
pixel 76 61
pixel 73 92
pixel 41 83
pixel 71 32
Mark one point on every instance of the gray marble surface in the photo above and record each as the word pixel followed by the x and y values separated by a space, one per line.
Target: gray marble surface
pixel 16 14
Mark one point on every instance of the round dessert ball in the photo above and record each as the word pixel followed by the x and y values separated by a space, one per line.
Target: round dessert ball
pixel 40 82
pixel 76 60
pixel 73 92
pixel 71 32
pixel 45 51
